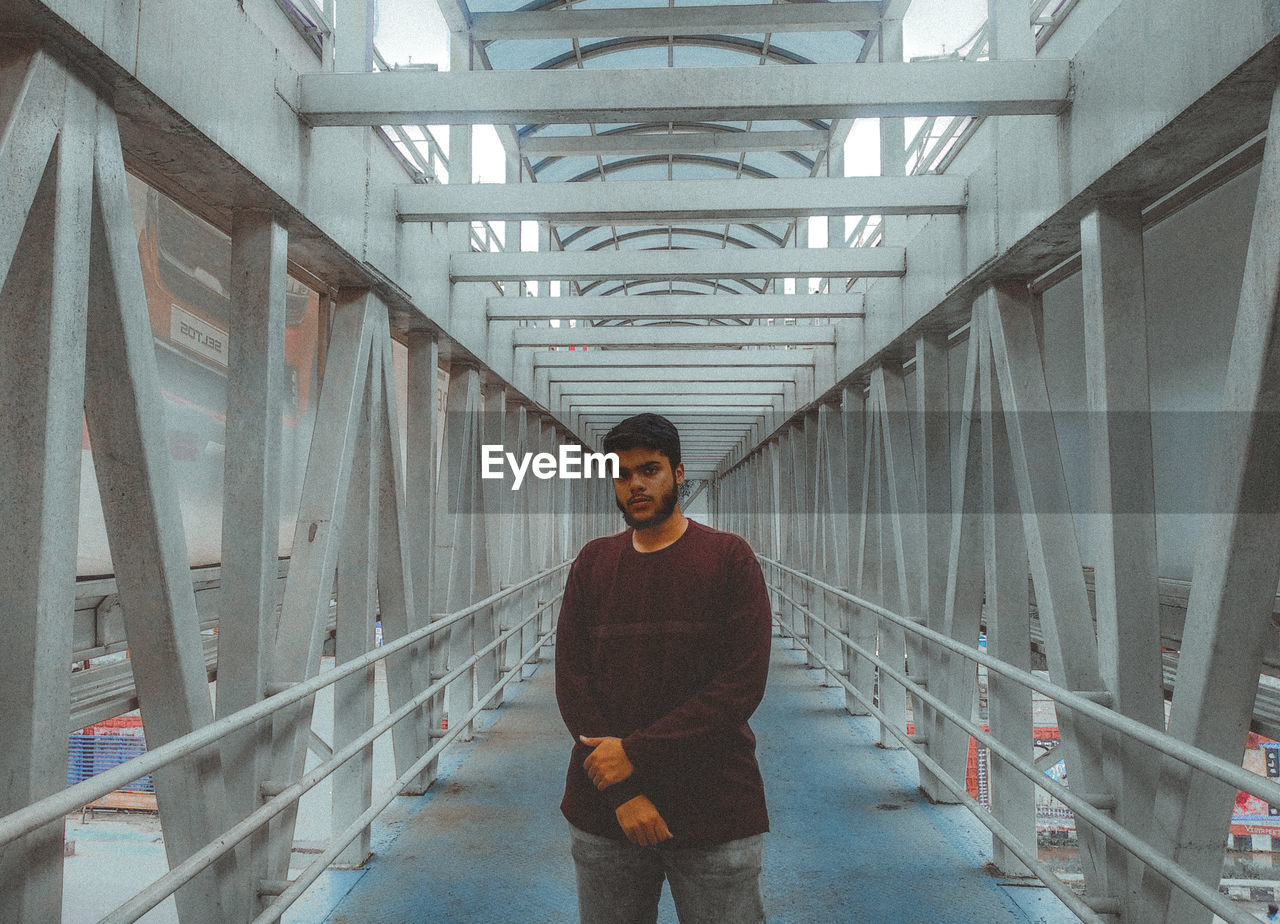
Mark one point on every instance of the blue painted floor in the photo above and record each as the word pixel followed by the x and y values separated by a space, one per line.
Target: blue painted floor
pixel 852 838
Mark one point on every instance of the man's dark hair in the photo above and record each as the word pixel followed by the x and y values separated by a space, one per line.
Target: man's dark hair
pixel 646 431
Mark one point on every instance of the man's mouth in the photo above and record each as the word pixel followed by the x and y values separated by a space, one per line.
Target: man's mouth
pixel 639 501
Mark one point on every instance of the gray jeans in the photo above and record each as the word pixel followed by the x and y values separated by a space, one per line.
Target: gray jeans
pixel 621 883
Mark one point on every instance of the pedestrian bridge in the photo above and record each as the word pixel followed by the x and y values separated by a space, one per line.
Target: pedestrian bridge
pixel 966 314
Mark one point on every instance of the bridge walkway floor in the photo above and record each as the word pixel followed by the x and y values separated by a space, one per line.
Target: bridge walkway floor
pixel 852 838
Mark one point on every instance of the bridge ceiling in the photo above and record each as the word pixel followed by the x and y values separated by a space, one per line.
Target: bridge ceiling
pixel 706 128
pixel 675 151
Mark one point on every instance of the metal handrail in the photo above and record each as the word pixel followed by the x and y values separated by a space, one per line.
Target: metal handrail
pixel 1164 866
pixel 51 808
pixel 1007 837
pixel 309 875
pixel 1198 759
pixel 184 872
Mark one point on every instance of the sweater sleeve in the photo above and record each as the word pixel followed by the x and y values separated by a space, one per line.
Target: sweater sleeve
pixel 725 702
pixel 573 680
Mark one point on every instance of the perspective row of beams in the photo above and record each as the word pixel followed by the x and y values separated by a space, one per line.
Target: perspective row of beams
pixel 660 201
pixel 748 19
pixel 810 91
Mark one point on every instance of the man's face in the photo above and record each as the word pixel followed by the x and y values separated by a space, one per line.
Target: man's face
pixel 645 489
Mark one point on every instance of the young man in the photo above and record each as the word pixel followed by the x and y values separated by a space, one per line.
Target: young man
pixel 662 652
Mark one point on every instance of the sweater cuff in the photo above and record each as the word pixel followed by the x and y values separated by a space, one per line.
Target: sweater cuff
pixel 622 792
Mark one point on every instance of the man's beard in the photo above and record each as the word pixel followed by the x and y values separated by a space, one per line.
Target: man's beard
pixel 659 514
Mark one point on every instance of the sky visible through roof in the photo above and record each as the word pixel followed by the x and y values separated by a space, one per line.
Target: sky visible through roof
pixel 414 32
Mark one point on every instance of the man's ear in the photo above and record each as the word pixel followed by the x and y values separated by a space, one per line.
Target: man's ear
pixel 680 473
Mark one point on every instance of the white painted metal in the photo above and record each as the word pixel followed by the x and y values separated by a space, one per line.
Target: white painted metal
pixel 731 94
pixel 634 143
pixel 965 588
pixel 1123 522
pixel 618 359
pixel 665 202
pixel 144 524
pixel 1236 564
pixel 422 375
pixel 44 271
pixel 1081 804
pixel 1008 620
pixel 902 541
pixel 677 336
pixel 1057 573
pixel 397 599
pixel 357 598
pixel 305 609
pixel 251 513
pixel 745 19
pixel 675 265
pixel 609 307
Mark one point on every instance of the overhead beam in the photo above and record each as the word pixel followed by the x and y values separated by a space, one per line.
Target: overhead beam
pixel 679 264
pixel 675 336
pixel 720 94
pixel 692 307
pixel 570 375
pixel 664 202
pixel 749 19
pixel 751 359
pixel 664 387
pixel 632 143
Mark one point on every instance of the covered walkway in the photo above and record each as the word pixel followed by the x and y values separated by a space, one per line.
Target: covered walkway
pixel 314 313
pixel 852 838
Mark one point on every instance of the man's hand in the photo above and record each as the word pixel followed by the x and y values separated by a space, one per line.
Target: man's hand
pixel 608 763
pixel 641 822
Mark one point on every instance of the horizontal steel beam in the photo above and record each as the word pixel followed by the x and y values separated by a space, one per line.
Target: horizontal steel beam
pixel 621 144
pixel 613 359
pixel 663 388
pixel 684 402
pixel 630 376
pixel 665 202
pixel 677 335
pixel 702 307
pixel 739 263
pixel 719 94
pixel 748 19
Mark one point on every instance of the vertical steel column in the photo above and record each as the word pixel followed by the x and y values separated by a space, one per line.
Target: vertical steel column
pixel 304 613
pixel 808 559
pixel 835 512
pixel 1008 618
pixel 864 628
pixel 420 507
pixel 931 442
pixel 963 597
pixel 357 598
pixel 46 159
pixel 1123 522
pixel 893 137
pixel 251 515
pixel 407 672
pixel 493 411
pixel 460 519
pixel 353 29
pixel 125 414
pixel 1071 647
pixel 1237 565
pixel 903 547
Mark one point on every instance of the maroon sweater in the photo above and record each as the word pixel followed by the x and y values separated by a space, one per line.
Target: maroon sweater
pixel 669 651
